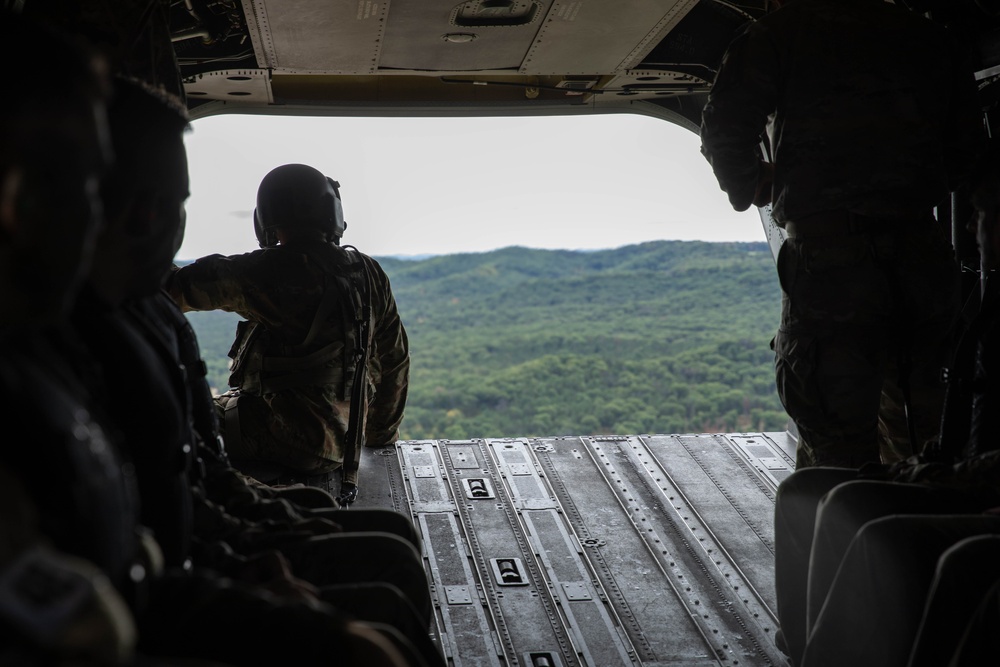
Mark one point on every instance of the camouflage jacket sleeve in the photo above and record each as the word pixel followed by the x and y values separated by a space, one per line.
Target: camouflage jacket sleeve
pixel 744 94
pixel 389 362
pixel 223 485
pixel 215 282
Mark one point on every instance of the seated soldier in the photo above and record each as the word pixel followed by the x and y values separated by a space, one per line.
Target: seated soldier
pixel 132 330
pixel 818 512
pixel 63 567
pixel 321 364
pixel 52 152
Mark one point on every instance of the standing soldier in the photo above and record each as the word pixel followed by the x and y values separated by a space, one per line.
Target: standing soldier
pixel 863 150
pixel 321 364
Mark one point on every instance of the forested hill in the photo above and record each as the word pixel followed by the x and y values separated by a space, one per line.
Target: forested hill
pixel 662 337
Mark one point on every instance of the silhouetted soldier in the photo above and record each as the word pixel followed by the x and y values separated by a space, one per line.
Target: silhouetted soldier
pixel 134 331
pixel 855 552
pixel 67 543
pixel 321 364
pixel 863 150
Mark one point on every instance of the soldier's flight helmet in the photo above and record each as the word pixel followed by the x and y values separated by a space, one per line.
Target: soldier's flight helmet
pixel 297 196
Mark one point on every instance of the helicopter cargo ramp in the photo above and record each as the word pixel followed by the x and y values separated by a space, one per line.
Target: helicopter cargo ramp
pixel 593 551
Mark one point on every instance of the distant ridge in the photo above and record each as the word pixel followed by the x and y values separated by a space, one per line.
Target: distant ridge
pixel 410 258
pixel 659 337
pixel 754 245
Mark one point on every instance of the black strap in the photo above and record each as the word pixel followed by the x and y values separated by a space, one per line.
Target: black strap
pixel 234 434
pixel 359 393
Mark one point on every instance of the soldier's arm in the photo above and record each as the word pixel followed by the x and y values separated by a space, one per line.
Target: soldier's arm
pixel 391 356
pixel 215 282
pixel 978 476
pixel 744 94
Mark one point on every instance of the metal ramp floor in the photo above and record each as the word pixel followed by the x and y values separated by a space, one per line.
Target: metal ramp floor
pixel 595 551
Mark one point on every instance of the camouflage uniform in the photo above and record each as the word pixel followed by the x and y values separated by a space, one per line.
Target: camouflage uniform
pixel 863 149
pixel 370 569
pixel 294 366
pixel 210 600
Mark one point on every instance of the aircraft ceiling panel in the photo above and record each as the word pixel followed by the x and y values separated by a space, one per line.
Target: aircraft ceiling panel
pixel 601 36
pixel 321 36
pixel 445 35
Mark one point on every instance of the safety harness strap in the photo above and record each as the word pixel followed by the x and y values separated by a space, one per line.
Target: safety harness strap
pixel 234 435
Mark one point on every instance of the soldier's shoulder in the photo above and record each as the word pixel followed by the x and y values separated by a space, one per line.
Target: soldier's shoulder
pixel 364 259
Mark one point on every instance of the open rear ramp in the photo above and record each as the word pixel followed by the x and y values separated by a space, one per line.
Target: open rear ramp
pixel 599 551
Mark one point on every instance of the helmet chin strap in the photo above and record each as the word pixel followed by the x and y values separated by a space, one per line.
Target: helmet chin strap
pixel 266 238
pixel 335 238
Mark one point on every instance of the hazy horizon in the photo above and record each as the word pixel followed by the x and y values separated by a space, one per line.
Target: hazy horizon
pixel 432 186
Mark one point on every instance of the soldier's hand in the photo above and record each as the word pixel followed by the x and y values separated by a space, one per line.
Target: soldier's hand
pixel 275 535
pixel 364 645
pixel 872 470
pixel 914 472
pixel 270 571
pixel 65 606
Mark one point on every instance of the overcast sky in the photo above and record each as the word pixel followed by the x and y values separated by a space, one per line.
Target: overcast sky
pixel 444 185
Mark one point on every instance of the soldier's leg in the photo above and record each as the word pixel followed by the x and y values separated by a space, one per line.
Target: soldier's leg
pixel 921 408
pixel 311 498
pixel 249 434
pixel 386 605
pixel 829 349
pixel 837 402
pixel 150 661
pixel 926 277
pixel 351 558
pixel 202 616
pixel 308 497
pixel 374 520
pixel 794 518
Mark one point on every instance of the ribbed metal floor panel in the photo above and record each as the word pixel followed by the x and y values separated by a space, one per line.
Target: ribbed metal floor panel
pixel 599 551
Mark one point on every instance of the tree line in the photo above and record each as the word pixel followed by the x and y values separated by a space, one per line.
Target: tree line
pixel 661 337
